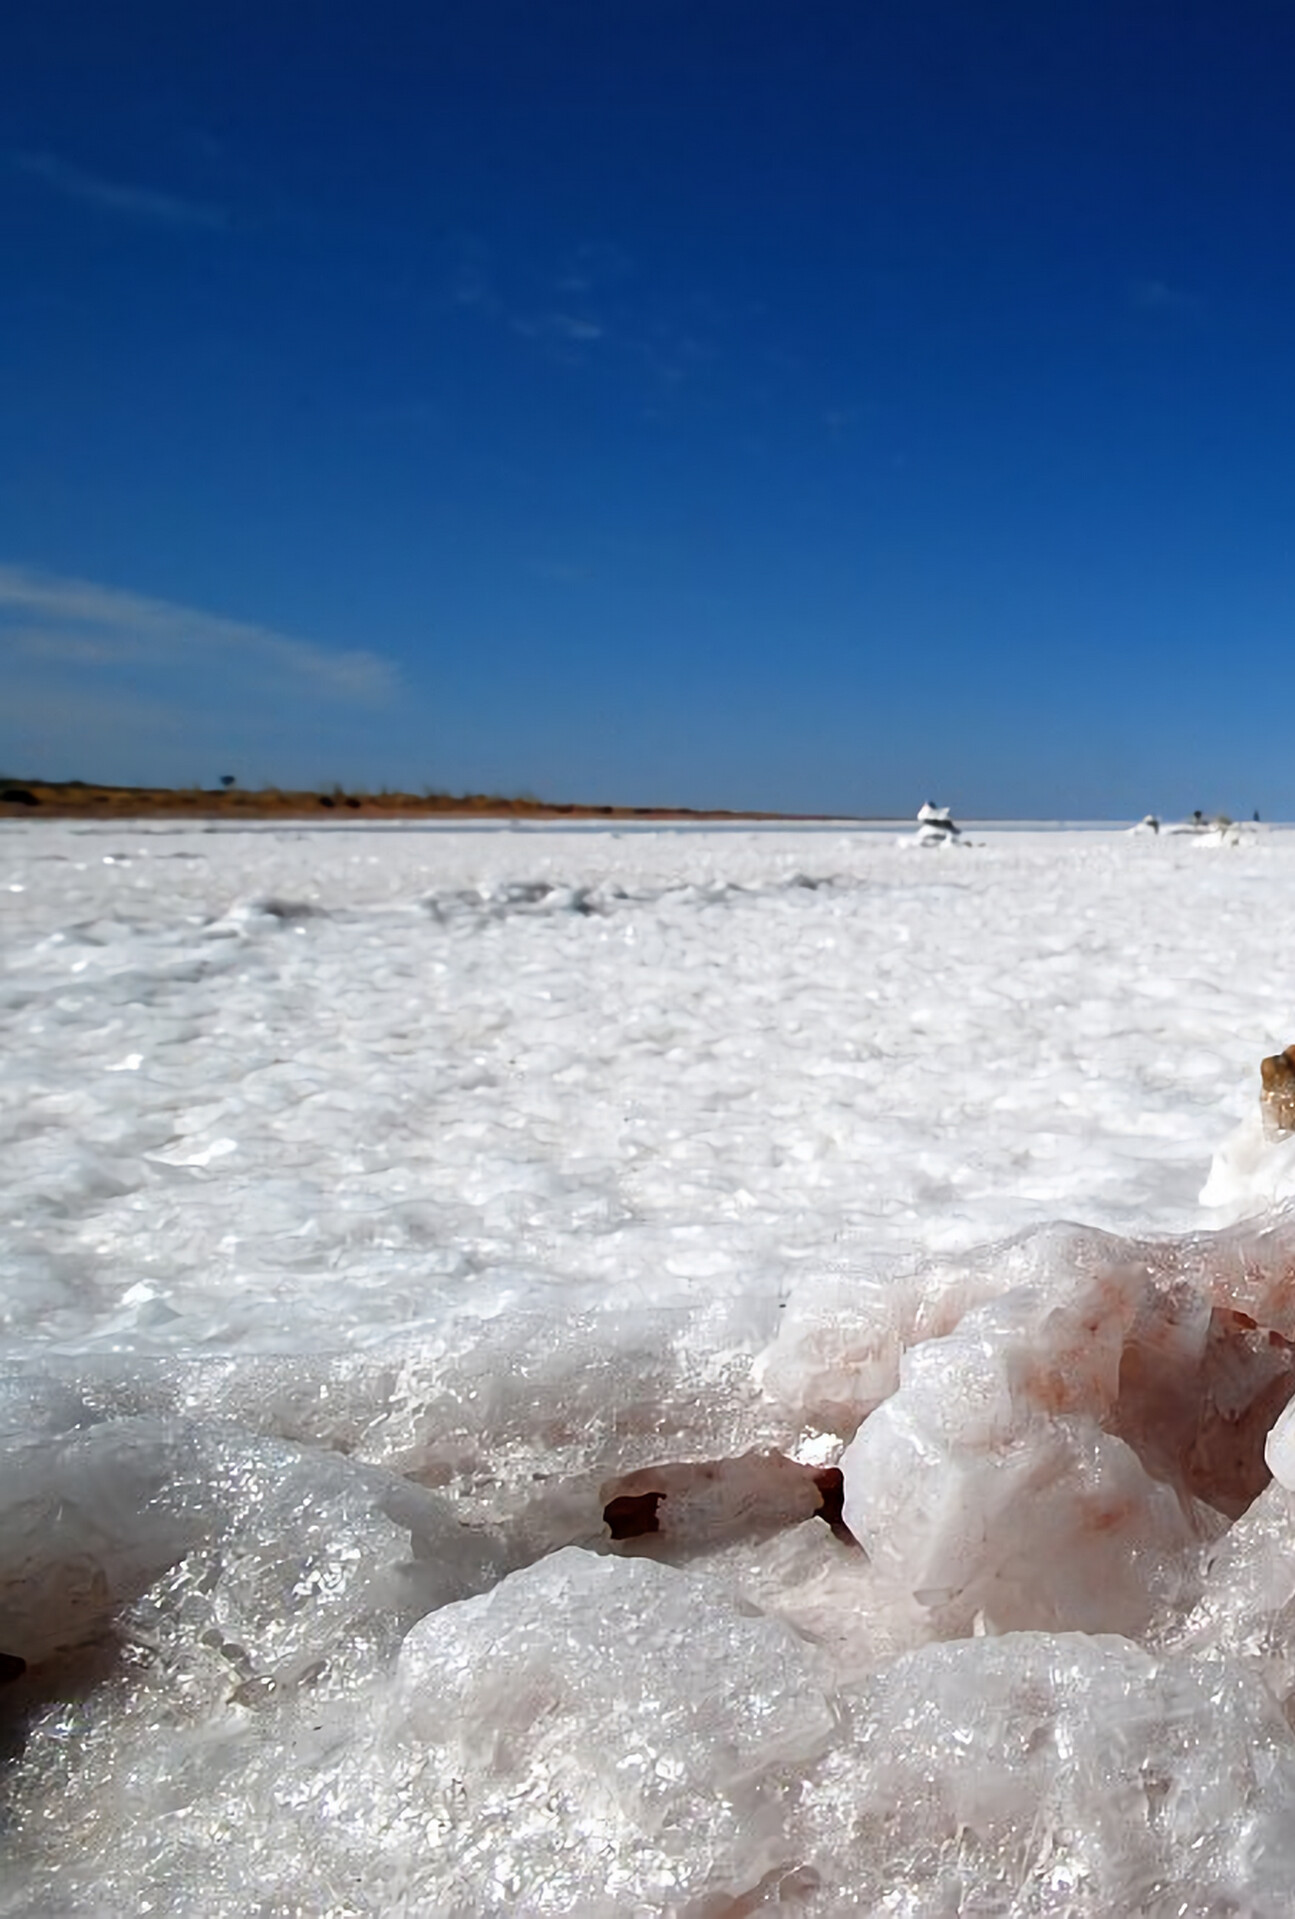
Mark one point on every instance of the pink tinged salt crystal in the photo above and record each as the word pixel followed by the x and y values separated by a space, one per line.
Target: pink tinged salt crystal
pixel 1280 1448
pixel 1058 1459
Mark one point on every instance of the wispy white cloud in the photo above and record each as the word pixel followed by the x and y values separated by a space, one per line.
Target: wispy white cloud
pixel 143 204
pixel 571 327
pixel 1157 296
pixel 470 288
pixel 108 684
pixel 80 622
pixel 527 309
pixel 593 266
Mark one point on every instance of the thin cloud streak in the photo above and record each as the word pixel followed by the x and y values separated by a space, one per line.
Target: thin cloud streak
pixel 559 326
pixel 1157 296
pixel 143 204
pixel 109 623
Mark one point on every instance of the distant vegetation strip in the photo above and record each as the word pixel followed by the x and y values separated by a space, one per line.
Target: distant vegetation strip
pixel 81 799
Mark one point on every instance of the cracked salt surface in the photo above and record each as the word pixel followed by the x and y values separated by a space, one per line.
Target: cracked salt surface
pixel 380 1206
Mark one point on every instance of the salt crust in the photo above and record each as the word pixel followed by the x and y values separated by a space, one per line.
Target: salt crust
pixel 325 1631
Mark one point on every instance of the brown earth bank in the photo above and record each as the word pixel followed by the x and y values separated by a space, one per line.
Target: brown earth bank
pixel 79 799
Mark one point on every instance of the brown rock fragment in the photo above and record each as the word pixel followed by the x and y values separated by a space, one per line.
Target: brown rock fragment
pixel 1278 1095
pixel 697 1504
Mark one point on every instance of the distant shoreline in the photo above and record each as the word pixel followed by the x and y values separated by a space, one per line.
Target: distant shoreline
pixel 84 799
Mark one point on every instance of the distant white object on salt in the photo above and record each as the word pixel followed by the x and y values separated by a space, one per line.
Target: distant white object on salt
pixel 1148 824
pixel 1220 831
pixel 935 826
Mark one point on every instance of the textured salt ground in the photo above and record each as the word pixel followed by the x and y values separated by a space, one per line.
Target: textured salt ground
pixel 500 1159
pixel 242 1064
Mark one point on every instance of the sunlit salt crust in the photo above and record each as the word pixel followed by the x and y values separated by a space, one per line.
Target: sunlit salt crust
pixel 385 1206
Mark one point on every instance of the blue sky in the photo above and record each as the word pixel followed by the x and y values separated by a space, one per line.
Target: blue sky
pixel 814 406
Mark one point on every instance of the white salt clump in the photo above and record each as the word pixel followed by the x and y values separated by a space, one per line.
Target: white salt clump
pixel 593 1735
pixel 1046 1774
pixel 837 1351
pixel 988 1485
pixel 1253 1170
pixel 1221 832
pixel 604 1736
pixel 273 1535
pixel 1246 1610
pixel 829 1592
pixel 1061 1455
pixel 320 1563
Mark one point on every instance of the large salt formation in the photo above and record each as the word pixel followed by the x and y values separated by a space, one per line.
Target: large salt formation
pixel 1046 1664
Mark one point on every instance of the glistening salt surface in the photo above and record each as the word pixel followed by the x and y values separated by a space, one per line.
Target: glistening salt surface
pixel 379 1204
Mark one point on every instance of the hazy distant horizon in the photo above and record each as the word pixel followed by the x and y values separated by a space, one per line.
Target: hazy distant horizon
pixel 586 810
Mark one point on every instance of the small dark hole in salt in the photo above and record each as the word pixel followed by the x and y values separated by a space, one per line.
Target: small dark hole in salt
pixel 831 1491
pixel 632 1515
pixel 11 1667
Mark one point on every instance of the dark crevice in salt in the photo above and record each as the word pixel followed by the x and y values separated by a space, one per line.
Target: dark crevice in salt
pixel 831 1486
pixel 632 1515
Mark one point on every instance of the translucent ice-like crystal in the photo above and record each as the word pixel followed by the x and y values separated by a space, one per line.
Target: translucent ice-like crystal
pixel 249 1601
pixel 278 1540
pixel 88 1519
pixel 593 1735
pixel 1044 1774
pixel 1246 1609
pixel 607 1736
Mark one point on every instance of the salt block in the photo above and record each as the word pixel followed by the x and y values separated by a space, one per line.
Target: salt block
pixel 1050 1773
pixel 1246 1610
pixel 600 1735
pixel 988 1484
